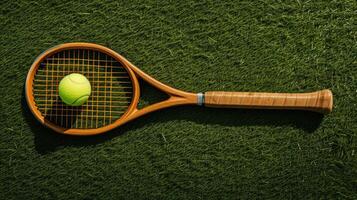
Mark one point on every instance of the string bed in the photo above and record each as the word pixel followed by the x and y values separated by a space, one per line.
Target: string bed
pixel 111 94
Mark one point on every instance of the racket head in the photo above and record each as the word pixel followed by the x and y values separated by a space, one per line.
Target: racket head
pixel 115 89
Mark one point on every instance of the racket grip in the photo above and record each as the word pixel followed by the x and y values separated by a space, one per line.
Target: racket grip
pixel 319 101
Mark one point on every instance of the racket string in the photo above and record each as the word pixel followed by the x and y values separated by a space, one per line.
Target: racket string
pixel 111 89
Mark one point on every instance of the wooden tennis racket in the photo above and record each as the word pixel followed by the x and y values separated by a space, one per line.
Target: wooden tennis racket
pixel 116 92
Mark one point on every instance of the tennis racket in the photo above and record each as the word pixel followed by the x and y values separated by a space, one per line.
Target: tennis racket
pixel 116 92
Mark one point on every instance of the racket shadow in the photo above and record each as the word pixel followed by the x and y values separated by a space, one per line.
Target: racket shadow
pixel 304 120
pixel 47 140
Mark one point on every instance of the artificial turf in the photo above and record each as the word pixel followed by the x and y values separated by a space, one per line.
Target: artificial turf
pixel 189 152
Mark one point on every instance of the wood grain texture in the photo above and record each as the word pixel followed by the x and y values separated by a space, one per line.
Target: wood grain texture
pixel 319 101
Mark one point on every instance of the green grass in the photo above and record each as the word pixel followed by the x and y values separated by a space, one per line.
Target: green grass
pixel 190 152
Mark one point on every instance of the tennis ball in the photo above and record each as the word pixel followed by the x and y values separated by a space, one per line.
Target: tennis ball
pixel 74 89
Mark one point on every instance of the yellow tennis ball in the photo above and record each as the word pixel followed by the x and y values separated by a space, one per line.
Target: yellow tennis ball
pixel 74 89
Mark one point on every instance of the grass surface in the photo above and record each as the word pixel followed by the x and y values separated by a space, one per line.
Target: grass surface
pixel 189 152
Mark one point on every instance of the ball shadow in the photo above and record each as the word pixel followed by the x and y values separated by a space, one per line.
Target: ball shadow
pixel 62 114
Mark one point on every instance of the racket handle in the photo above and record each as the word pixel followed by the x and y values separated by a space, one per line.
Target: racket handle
pixel 320 101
